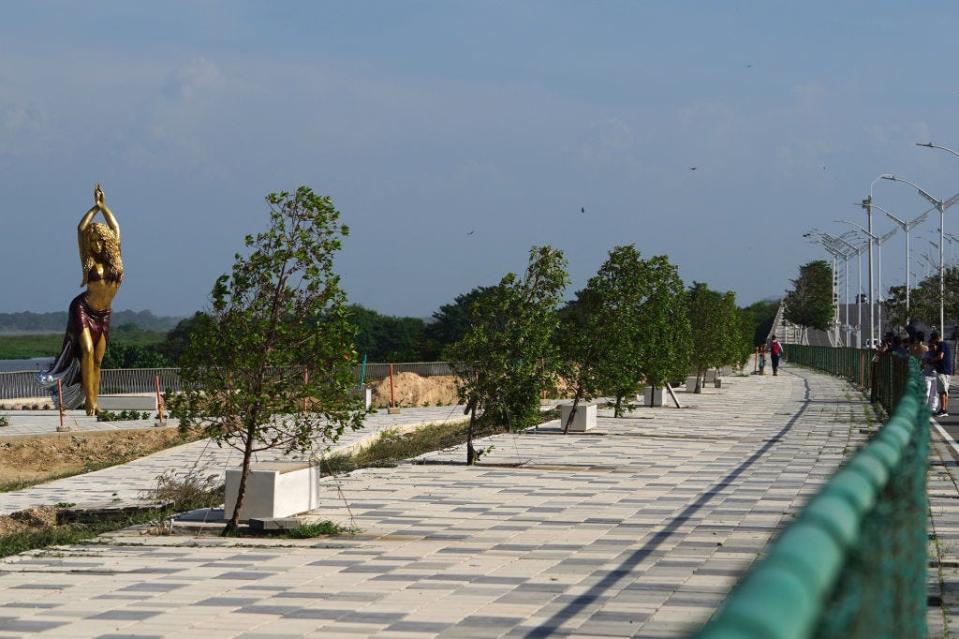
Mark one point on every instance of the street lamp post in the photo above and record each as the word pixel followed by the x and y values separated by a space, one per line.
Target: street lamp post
pixel 906 228
pixel 941 207
pixel 867 206
pixel 830 243
pixel 879 240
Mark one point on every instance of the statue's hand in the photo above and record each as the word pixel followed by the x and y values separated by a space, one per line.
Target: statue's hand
pixel 98 195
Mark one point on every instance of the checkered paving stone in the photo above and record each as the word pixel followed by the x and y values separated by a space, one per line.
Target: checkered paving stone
pixel 637 529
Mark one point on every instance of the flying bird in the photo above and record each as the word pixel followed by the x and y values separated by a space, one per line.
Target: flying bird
pixel 692 168
pixel 471 232
pixel 582 209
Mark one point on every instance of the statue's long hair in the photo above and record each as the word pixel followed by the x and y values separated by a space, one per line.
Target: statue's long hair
pixel 112 262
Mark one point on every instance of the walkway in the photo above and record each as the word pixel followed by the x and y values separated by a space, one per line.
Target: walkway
pixel 126 483
pixel 637 529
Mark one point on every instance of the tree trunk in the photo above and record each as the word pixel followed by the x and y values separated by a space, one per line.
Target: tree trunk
pixel 572 413
pixel 233 524
pixel 699 380
pixel 618 411
pixel 470 451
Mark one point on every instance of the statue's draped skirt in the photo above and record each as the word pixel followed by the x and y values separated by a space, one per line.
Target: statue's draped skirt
pixel 67 368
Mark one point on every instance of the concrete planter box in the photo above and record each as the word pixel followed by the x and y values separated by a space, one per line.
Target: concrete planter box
pixel 653 397
pixel 691 383
pixel 276 489
pixel 584 419
pixel 711 376
pixel 718 383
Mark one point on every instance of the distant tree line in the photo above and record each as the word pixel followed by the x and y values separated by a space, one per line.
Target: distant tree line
pixel 55 322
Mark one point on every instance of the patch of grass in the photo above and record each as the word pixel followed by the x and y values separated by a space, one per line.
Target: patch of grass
pixel 392 446
pixel 27 346
pixel 3 421
pixel 74 533
pixel 184 492
pixel 122 416
pixel 187 491
pixel 324 528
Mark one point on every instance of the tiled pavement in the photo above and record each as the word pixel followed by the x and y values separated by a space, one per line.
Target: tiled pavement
pixel 125 484
pixel 636 530
pixel 45 422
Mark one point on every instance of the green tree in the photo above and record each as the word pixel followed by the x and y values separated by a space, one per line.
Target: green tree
pixel 809 304
pixel 178 338
pixel 278 336
pixel 663 325
pixel 502 362
pixel 451 321
pixel 385 338
pixel 705 320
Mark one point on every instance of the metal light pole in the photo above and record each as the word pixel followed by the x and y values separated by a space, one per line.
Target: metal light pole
pixel 879 240
pixel 906 228
pixel 867 206
pixel 825 240
pixel 941 207
pixel 834 242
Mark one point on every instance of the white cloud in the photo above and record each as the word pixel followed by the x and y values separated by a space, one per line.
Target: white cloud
pixel 186 82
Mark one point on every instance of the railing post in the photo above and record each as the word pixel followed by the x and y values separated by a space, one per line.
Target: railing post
pixel 62 427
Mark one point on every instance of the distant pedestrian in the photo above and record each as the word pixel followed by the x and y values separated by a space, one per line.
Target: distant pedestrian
pixel 918 346
pixel 762 359
pixel 775 352
pixel 929 376
pixel 942 361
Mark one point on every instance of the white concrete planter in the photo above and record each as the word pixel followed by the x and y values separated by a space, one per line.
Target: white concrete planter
pixel 691 383
pixel 583 420
pixel 711 376
pixel 653 397
pixel 276 489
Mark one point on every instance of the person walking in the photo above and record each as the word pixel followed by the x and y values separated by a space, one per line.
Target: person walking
pixel 929 376
pixel 775 352
pixel 762 359
pixel 941 358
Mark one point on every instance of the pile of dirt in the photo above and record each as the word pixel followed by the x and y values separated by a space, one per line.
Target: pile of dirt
pixel 410 389
pixel 32 459
pixel 31 519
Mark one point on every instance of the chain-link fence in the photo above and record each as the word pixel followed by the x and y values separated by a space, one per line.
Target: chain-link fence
pixel 853 564
pixel 883 376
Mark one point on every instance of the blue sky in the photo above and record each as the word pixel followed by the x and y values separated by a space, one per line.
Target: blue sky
pixel 428 120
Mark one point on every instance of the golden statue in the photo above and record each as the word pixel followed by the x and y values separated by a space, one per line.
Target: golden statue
pixel 88 321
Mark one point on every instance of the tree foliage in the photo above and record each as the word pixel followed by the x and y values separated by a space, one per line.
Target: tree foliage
pixel 717 329
pixel 924 301
pixel 502 360
pixel 451 321
pixel 627 325
pixel 387 338
pixel 273 366
pixel 810 304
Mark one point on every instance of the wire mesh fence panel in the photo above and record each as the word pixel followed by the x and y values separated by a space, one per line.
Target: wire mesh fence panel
pixel 853 563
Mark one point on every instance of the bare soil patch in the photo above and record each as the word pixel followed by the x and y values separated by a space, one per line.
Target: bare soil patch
pixel 30 460
pixel 410 389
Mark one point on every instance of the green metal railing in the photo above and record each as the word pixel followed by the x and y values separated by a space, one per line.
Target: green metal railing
pixel 884 377
pixel 853 564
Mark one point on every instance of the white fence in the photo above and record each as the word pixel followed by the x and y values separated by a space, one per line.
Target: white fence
pixel 23 384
